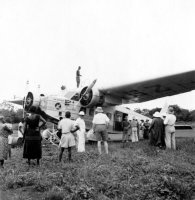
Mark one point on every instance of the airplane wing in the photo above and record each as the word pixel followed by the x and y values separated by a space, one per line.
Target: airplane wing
pixel 52 119
pixel 147 90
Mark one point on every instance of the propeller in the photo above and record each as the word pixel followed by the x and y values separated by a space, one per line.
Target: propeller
pixel 88 90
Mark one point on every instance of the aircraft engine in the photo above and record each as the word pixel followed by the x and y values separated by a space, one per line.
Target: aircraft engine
pixel 92 98
pixel 31 100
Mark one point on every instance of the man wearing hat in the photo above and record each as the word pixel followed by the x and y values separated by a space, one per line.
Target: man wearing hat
pixel 169 122
pixel 81 132
pixel 100 125
pixel 134 129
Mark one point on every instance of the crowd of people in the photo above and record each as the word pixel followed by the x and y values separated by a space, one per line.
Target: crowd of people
pixel 134 131
pixel 160 132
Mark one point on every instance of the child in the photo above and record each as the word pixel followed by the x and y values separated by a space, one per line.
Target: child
pixel 5 131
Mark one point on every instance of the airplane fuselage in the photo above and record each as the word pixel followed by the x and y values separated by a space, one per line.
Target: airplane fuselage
pixel 56 107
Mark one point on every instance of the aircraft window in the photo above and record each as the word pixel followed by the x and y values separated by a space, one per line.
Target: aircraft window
pixel 58 106
pixel 69 94
pixel 75 97
pixel 109 115
pixel 91 112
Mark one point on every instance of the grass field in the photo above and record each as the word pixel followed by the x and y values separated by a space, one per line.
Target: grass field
pixel 137 171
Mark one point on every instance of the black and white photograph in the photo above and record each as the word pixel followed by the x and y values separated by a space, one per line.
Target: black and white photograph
pixel 97 100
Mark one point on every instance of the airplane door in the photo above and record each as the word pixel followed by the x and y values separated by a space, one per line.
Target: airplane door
pixel 118 117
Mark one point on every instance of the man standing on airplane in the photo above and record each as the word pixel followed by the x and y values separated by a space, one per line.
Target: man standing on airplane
pixel 78 76
pixel 100 126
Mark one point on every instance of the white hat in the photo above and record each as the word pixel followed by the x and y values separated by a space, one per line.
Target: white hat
pixel 81 113
pixel 157 114
pixel 99 109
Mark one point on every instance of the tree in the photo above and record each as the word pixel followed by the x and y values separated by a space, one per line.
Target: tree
pixel 192 115
pixel 12 116
pixel 145 112
pixel 181 114
pixel 138 110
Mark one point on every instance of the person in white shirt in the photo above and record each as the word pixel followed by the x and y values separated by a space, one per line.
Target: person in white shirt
pixel 81 132
pixel 67 140
pixel 21 129
pixel 134 129
pixel 100 126
pixel 169 123
pixel 46 133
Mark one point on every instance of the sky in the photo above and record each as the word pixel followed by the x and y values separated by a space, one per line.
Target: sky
pixel 44 42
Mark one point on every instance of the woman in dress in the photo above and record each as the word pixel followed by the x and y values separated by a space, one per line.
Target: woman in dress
pixel 81 132
pixel 32 136
pixel 5 131
pixel 146 129
pixel 157 131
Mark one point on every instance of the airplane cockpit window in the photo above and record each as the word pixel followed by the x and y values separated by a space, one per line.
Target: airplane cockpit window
pixel 72 95
pixel 75 97
pixel 69 94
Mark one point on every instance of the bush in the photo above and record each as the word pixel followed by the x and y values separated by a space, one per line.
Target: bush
pixel 170 188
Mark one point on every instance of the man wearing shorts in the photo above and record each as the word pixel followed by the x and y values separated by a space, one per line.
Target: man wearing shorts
pixel 100 126
pixel 67 140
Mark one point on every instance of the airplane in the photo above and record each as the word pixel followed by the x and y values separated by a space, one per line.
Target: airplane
pixel 111 99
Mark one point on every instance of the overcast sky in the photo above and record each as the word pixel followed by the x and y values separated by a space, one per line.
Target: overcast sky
pixel 44 41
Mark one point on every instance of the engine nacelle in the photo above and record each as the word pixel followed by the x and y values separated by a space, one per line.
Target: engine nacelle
pixel 31 100
pixel 92 98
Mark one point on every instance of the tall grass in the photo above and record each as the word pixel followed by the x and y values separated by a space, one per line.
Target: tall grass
pixel 135 172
